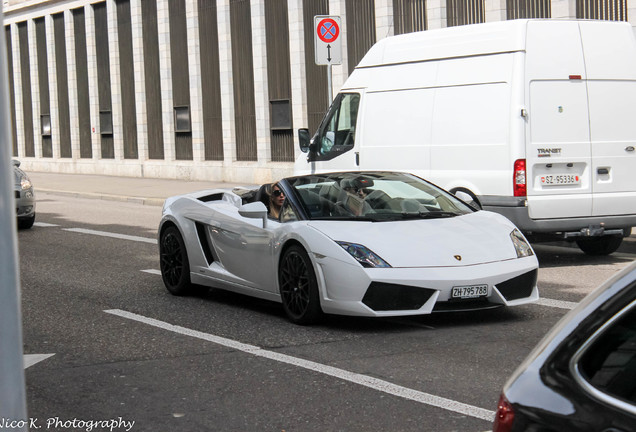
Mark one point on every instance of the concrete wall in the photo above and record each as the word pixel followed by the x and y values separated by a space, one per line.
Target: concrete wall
pixel 229 169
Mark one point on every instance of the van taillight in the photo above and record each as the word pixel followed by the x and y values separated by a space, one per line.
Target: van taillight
pixel 504 417
pixel 519 179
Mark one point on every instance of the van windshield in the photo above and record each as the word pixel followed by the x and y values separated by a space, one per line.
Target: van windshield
pixel 374 196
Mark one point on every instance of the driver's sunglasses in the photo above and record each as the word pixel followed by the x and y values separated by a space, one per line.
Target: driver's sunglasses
pixel 277 192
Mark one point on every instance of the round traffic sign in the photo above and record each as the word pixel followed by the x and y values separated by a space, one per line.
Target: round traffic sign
pixel 328 30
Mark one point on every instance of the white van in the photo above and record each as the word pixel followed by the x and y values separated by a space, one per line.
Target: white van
pixel 534 119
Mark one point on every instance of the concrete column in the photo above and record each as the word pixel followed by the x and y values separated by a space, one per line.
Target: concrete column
pixel 17 90
pixel 340 73
pixel 140 79
pixel 261 91
pixel 631 13
pixel 564 9
pixel 115 80
pixel 297 64
pixel 227 92
pixel 53 100
pixel 194 66
pixel 436 14
pixel 165 70
pixel 71 71
pixel 384 24
pixel 495 10
pixel 93 94
pixel 35 88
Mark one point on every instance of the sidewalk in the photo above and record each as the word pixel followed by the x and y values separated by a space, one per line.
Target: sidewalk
pixel 146 191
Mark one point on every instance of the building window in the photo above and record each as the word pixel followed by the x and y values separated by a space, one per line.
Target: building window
pixel 516 9
pixel 462 12
pixel 611 10
pixel 409 16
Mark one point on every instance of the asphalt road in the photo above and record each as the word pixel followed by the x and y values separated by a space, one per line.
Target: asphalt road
pixel 126 355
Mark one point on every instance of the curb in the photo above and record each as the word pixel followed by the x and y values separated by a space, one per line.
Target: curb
pixel 106 197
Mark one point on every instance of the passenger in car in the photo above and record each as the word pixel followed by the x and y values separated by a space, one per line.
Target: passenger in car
pixel 276 200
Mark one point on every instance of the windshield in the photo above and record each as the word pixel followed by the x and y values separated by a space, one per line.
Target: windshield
pixel 374 197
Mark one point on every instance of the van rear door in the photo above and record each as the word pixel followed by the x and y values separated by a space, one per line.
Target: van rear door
pixel 610 58
pixel 558 150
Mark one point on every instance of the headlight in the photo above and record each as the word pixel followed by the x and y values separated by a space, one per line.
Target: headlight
pixel 522 247
pixel 364 255
pixel 25 183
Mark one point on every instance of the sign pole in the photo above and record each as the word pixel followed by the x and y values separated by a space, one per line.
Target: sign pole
pixel 329 85
pixel 327 46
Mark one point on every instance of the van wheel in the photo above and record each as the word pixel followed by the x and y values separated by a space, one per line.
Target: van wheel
pixel 600 245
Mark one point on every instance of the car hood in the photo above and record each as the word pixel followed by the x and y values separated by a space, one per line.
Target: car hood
pixel 474 238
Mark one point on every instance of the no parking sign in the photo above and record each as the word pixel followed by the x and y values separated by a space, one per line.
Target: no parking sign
pixel 328 48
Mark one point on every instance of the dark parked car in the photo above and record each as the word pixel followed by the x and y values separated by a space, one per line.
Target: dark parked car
pixel 582 375
pixel 24 197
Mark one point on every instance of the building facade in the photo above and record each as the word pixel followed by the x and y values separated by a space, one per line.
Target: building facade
pixel 203 89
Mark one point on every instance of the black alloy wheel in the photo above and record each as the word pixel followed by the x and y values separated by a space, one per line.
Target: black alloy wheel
pixel 298 287
pixel 173 256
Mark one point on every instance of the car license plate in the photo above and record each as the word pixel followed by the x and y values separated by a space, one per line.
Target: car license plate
pixel 560 179
pixel 470 291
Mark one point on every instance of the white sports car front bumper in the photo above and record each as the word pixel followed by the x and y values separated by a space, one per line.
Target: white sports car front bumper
pixel 376 292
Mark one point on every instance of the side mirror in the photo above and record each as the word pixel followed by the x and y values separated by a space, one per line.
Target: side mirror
pixel 255 210
pixel 16 162
pixel 304 140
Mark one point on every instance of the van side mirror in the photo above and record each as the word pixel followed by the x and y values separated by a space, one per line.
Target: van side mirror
pixel 304 139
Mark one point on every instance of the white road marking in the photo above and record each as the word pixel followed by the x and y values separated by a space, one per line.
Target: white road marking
pixel 112 235
pixel 44 224
pixel 152 271
pixel 561 304
pixel 364 380
pixel 31 359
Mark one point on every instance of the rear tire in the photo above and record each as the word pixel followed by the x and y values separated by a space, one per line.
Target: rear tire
pixel 298 287
pixel 596 246
pixel 175 269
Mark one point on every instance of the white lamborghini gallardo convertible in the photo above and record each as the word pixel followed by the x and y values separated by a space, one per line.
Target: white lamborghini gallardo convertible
pixel 358 243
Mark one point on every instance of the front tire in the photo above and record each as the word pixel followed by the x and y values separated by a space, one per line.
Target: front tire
pixel 604 245
pixel 175 269
pixel 26 223
pixel 298 287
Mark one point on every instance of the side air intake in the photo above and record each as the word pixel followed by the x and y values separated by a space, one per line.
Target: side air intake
pixel 386 297
pixel 518 287
pixel 204 242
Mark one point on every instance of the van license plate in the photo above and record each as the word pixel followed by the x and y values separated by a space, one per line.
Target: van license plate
pixel 560 179
pixel 471 291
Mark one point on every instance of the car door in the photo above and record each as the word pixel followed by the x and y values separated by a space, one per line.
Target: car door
pixel 558 150
pixel 335 141
pixel 245 250
pixel 613 130
pixel 559 160
pixel 611 81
